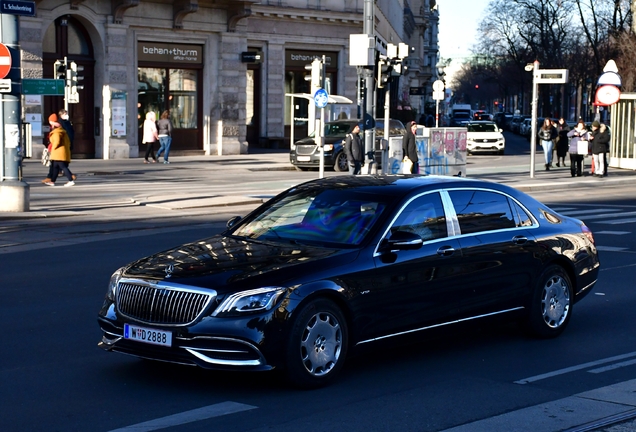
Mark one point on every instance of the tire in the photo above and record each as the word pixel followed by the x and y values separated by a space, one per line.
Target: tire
pixel 341 164
pixel 317 345
pixel 551 306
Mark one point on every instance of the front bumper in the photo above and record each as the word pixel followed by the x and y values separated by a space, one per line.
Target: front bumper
pixel 311 160
pixel 476 147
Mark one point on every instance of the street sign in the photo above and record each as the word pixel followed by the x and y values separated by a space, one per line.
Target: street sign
pixel 50 87
pixel 5 61
pixel 321 98
pixel 5 85
pixel 438 85
pixel 417 91
pixel 438 95
pixel 551 76
pixel 17 7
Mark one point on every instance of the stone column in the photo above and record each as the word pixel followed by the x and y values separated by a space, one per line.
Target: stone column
pixel 232 96
pixel 275 89
pixel 119 76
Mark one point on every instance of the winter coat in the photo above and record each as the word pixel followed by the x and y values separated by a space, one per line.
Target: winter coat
pixel 354 149
pixel 562 139
pixel 164 127
pixel 60 145
pixel 600 143
pixel 150 129
pixel 409 147
pixel 547 134
pixel 575 137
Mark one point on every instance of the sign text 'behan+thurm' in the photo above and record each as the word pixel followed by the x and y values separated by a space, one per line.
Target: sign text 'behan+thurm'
pixel 169 53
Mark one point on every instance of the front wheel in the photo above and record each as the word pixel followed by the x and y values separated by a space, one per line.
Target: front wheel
pixel 317 345
pixel 551 306
pixel 341 164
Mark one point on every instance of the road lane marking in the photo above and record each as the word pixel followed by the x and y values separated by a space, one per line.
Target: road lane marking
pixel 610 248
pixel 575 368
pixel 578 212
pixel 216 410
pixel 612 232
pixel 614 366
pixel 609 215
pixel 619 221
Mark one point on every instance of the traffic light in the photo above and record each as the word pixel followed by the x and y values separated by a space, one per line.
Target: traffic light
pixel 316 77
pixel 75 78
pixel 59 69
pixel 385 71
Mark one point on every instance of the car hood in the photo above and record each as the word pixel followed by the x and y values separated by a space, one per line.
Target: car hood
pixel 483 135
pixel 328 140
pixel 226 263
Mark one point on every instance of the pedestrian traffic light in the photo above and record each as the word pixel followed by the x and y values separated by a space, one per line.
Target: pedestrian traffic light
pixel 59 69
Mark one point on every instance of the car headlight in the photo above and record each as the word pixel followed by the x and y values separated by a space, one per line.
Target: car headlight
pixel 112 284
pixel 256 300
pixel 328 147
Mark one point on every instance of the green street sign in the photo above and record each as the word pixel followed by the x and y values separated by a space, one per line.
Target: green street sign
pixel 50 87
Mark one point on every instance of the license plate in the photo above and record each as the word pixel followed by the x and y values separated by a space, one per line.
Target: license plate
pixel 303 158
pixel 146 335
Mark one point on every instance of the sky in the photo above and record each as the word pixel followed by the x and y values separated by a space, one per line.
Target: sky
pixel 458 21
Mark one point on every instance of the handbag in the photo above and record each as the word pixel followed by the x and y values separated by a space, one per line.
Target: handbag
pixel 407 165
pixel 582 147
pixel 46 157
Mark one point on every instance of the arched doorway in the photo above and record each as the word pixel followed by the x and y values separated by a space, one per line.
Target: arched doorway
pixel 67 37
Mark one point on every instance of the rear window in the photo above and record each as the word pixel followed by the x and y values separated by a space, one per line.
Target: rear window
pixel 482 127
pixel 480 211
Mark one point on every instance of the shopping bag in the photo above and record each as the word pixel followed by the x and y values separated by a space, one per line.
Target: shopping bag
pixel 407 166
pixel 582 147
pixel 46 157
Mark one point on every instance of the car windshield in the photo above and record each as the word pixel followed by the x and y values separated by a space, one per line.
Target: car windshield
pixel 322 217
pixel 482 127
pixel 335 130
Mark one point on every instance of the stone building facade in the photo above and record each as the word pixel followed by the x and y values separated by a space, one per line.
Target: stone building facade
pixel 222 68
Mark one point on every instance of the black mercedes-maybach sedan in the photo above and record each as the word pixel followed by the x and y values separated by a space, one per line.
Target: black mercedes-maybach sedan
pixel 334 263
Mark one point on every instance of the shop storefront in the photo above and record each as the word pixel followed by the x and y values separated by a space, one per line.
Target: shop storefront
pixel 169 79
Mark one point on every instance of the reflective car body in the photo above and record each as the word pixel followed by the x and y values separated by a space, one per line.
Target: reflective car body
pixel 305 154
pixel 484 136
pixel 343 261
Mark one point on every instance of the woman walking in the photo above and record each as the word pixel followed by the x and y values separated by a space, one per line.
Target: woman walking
pixel 577 134
pixel 547 134
pixel 164 127
pixel 150 136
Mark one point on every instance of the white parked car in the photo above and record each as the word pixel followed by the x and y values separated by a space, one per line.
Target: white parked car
pixel 485 136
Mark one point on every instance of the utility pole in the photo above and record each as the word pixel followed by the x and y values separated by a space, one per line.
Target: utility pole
pixel 368 115
pixel 14 193
pixel 535 108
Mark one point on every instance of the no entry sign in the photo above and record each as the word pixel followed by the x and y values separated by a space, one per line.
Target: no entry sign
pixel 5 61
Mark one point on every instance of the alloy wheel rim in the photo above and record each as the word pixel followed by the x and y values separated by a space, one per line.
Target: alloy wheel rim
pixel 555 302
pixel 321 344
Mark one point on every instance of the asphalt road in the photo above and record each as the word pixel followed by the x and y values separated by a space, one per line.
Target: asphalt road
pixel 488 377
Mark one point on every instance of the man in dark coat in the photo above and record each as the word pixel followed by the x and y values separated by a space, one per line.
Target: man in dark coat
pixel 409 147
pixel 354 149
pixel 600 145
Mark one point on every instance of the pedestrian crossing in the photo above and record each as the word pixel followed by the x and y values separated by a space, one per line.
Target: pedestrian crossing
pixel 610 216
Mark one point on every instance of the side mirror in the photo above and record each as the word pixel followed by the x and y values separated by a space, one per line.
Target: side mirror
pixel 402 240
pixel 232 222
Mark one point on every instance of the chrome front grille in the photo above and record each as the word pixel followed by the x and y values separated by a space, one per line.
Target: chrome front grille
pixel 161 304
pixel 305 149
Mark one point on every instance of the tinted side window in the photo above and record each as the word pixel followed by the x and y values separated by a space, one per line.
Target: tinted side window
pixel 479 211
pixel 523 219
pixel 423 216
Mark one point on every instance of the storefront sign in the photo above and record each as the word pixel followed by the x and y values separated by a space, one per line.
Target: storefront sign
pixel 169 53
pixel 302 58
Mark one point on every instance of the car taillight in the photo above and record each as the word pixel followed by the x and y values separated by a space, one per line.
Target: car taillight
pixel 587 232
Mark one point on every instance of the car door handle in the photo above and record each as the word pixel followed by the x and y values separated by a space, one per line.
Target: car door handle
pixel 520 240
pixel 445 251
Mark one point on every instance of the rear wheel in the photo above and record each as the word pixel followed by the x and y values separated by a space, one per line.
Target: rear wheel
pixel 317 345
pixel 341 164
pixel 552 301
